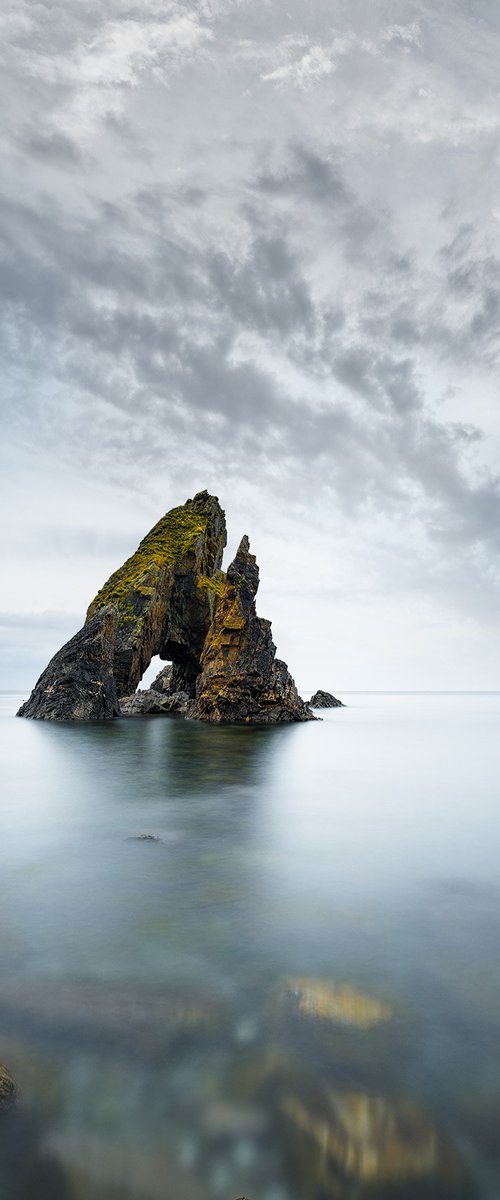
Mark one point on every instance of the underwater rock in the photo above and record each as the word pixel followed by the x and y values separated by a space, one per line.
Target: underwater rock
pixel 7 1088
pixel 241 680
pixel 143 837
pixel 361 1038
pixel 162 593
pixel 340 1003
pixel 78 684
pixel 371 1141
pixel 122 1016
pixel 325 700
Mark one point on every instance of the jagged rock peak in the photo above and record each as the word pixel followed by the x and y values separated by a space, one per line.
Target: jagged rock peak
pixel 244 572
pixel 162 593
pixel 241 679
pixel 78 684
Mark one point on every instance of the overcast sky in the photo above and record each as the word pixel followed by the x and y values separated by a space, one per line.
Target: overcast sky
pixel 255 247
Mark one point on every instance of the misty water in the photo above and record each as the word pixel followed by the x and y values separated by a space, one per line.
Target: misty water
pixel 150 990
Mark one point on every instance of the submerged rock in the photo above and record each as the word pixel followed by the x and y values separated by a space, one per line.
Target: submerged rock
pixel 143 837
pixel 325 700
pixel 241 680
pixel 123 1015
pixel 371 1141
pixel 342 1004
pixel 7 1088
pixel 78 684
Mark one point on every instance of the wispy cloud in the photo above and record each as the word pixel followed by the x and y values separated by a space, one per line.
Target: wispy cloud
pixel 243 248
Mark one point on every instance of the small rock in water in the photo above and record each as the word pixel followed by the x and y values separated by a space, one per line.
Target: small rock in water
pixel 143 837
pixel 7 1088
pixel 325 700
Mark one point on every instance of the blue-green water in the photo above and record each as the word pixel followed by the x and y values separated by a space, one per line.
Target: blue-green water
pixel 148 989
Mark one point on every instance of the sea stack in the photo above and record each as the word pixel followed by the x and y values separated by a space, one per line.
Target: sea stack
pixel 172 599
pixel 241 679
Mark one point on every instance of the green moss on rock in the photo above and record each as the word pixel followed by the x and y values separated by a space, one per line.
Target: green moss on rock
pixel 160 608
pixel 170 539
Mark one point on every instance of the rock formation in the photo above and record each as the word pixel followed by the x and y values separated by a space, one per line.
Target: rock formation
pixel 162 593
pixel 325 700
pixel 241 679
pixel 171 599
pixel 163 681
pixel 160 697
pixel 78 684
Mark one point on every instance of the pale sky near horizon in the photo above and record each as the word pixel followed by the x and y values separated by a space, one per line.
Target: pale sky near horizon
pixel 255 247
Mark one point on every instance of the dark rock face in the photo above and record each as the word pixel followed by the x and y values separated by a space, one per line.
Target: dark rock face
pixel 241 680
pixel 153 703
pixel 325 700
pixel 163 681
pixel 162 594
pixel 78 684
pixel 160 698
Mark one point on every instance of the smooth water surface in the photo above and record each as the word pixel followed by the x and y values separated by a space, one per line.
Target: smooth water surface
pixel 152 992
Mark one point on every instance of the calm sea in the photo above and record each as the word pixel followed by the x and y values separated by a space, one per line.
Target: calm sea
pixel 288 990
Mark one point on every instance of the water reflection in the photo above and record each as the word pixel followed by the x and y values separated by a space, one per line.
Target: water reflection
pixel 259 1002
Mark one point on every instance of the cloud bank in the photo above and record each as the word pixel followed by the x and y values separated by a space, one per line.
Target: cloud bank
pixel 258 250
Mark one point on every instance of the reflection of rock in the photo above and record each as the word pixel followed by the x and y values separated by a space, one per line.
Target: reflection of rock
pixel 339 1135
pixel 78 684
pixel 241 680
pixel 7 1088
pixel 325 700
pixel 342 1004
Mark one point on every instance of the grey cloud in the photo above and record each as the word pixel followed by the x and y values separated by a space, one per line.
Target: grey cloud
pixel 174 367
pixel 306 174
pixel 51 146
pixel 256 307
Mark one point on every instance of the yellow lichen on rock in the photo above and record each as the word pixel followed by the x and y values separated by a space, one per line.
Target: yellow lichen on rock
pixel 342 1004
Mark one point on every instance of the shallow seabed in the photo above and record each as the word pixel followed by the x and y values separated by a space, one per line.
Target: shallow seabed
pixel 293 993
